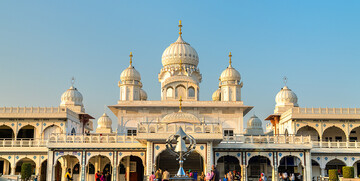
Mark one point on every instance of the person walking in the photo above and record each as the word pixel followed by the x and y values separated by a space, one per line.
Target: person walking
pixel 225 178
pixel 166 175
pixel 195 176
pixel 68 175
pixel 152 176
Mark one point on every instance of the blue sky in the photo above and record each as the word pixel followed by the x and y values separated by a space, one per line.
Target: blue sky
pixel 314 43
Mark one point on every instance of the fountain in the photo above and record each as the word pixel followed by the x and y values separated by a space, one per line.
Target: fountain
pixel 181 151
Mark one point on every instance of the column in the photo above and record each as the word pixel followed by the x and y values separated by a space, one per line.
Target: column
pixel 115 166
pixel 355 171
pixel 127 168
pixel 244 168
pixel 6 167
pixel 275 171
pixel 83 165
pixel 50 166
pixel 210 156
pixel 13 170
pixel 149 158
pixel 308 166
pixel 37 170
pixel 323 172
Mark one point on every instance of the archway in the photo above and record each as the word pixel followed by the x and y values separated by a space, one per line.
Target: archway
pixel 180 91
pixel 5 167
pixel 356 166
pixel 309 131
pixel 227 163
pixel 43 170
pixel 6 132
pixel 22 161
pixel 102 164
pixel 316 170
pixel 291 164
pixel 122 172
pixel 26 132
pixel 355 134
pixel 258 165
pixel 53 129
pixel 334 134
pixel 90 172
pixel 63 164
pixel 335 164
pixel 135 167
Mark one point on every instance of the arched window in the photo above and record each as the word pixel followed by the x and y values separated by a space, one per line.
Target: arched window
pixel 191 91
pixel 169 92
pixel 180 91
pixel 73 131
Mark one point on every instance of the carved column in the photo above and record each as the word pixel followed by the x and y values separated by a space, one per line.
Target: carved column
pixel 308 166
pixel 83 165
pixel 210 156
pixel 149 158
pixel 275 172
pixel 323 172
pixel 115 166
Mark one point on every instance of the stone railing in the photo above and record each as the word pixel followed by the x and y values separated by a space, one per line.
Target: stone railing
pixel 335 144
pixel 22 143
pixel 92 138
pixel 279 139
pixel 31 110
pixel 172 128
pixel 299 110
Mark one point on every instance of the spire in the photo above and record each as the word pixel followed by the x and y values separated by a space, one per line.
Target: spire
pixel 180 104
pixel 230 59
pixel 285 80
pixel 180 27
pixel 131 55
pixel 72 81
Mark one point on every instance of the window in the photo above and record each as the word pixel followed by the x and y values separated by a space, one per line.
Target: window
pixel 169 92
pixel 131 132
pixel 228 132
pixel 353 132
pixel 338 138
pixel 180 91
pixel 353 139
pixel 191 92
pixel 132 166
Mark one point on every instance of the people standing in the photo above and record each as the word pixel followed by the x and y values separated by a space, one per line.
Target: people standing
pixel 97 176
pixel 214 174
pixel 230 176
pixel 225 178
pixel 102 178
pixel 68 175
pixel 262 177
pixel 108 176
pixel 158 175
pixel 208 177
pixel 195 176
pixel 152 176
pixel 166 175
pixel 202 176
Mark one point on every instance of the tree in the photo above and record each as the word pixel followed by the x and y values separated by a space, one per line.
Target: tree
pixel 26 170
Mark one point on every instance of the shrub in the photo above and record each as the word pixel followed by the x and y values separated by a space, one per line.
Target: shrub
pixel 348 172
pixel 26 170
pixel 333 175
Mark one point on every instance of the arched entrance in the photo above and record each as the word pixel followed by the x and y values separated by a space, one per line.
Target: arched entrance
pixel 291 164
pixel 6 132
pixel 309 131
pixel 26 132
pixel 316 170
pixel 334 134
pixel 53 129
pixel 355 134
pixel 134 165
pixel 226 164
pixel 5 167
pixel 63 164
pixel 43 170
pixel 334 164
pixel 258 165
pixel 166 160
pixel 101 164
pixel 122 172
pixel 21 162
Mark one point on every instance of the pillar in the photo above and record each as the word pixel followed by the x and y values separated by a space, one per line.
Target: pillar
pixel 210 157
pixel 275 171
pixel 83 165
pixel 115 166
pixel 127 168
pixel 149 158
pixel 50 166
pixel 6 168
pixel 13 170
pixel 37 170
pixel 323 172
pixel 308 166
pixel 243 172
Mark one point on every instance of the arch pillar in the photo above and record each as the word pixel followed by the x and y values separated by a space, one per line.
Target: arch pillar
pixel 13 170
pixel 275 172
pixel 322 174
pixel 115 166
pixel 243 168
pixel 308 166
pixel 50 166
pixel 82 165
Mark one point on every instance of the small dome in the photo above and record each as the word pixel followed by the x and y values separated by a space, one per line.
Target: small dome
pixel 180 50
pixel 180 117
pixel 130 74
pixel 104 122
pixel 286 97
pixel 254 122
pixel 216 96
pixel 71 97
pixel 230 74
pixel 143 95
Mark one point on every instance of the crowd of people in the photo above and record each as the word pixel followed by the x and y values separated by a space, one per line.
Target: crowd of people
pixel 285 176
pixel 102 177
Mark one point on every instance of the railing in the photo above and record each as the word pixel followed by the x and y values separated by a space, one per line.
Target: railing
pixel 325 110
pixel 22 143
pixel 279 139
pixel 92 138
pixel 337 144
pixel 145 127
pixel 30 110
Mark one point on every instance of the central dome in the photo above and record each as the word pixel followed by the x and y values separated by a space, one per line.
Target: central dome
pixel 286 96
pixel 71 97
pixel 180 117
pixel 180 52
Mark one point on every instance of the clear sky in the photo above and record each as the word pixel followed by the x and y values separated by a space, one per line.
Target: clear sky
pixel 314 43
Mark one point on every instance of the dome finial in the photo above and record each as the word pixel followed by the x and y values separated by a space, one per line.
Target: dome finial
pixel 180 25
pixel 285 80
pixel 230 59
pixel 131 55
pixel 72 81
pixel 180 64
pixel 180 104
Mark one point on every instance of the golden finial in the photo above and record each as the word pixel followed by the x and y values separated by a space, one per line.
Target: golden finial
pixel 180 103
pixel 180 27
pixel 131 55
pixel 180 65
pixel 230 58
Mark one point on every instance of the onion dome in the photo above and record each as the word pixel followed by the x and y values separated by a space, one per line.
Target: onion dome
pixel 286 97
pixel 104 122
pixel 71 97
pixel 130 73
pixel 180 52
pixel 254 126
pixel 216 96
pixel 143 95
pixel 230 74
pixel 180 117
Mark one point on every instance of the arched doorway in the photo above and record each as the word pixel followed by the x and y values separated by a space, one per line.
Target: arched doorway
pixel 135 167
pixel 258 165
pixel 63 164
pixel 316 170
pixel 6 132
pixel 101 164
pixel 26 132
pixel 21 162
pixel 226 164
pixel 90 172
pixel 122 172
pixel 43 170
pixel 5 167
pixel 334 164
pixel 354 134
pixel 166 160
pixel 334 134
pixel 53 129
pixel 309 131
pixel 291 164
